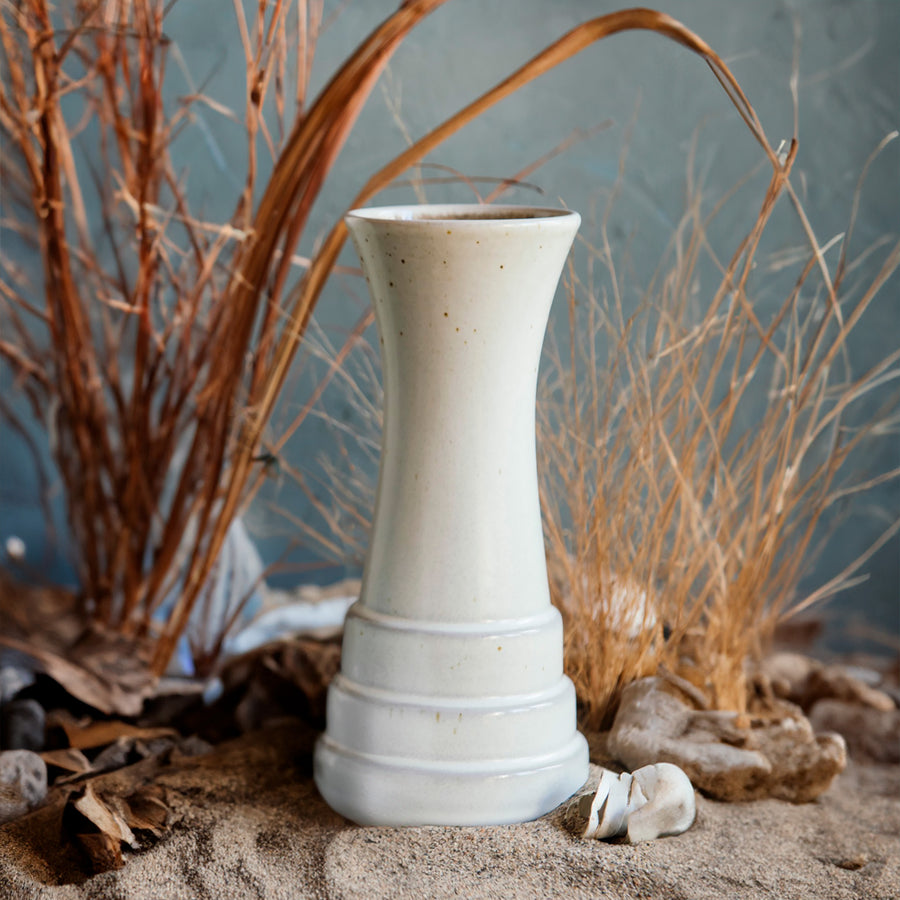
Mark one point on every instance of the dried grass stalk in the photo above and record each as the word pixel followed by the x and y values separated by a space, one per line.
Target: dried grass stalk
pixel 164 356
pixel 677 530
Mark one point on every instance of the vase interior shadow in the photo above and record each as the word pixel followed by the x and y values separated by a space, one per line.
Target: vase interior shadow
pixel 458 213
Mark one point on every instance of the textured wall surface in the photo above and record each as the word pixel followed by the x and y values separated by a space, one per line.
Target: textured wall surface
pixel 849 99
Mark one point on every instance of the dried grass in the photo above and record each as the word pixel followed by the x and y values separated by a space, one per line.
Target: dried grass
pixel 678 526
pixel 687 456
pixel 157 351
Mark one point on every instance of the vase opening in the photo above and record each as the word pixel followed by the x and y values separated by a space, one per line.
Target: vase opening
pixel 459 213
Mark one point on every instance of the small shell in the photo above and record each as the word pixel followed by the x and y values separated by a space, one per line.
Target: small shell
pixel 654 801
pixel 670 807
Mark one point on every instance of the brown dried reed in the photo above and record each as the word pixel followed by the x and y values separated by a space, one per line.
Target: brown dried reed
pixel 158 351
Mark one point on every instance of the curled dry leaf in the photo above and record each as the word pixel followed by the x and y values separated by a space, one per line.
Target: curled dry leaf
pixel 100 668
pixel 69 760
pixel 128 750
pixel 98 827
pixel 148 811
pixel 102 823
pixel 102 734
pixel 110 693
pixel 288 677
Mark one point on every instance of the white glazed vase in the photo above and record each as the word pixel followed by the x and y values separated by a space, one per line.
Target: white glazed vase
pixel 451 707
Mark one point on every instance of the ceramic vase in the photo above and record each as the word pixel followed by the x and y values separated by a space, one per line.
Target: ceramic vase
pixel 451 707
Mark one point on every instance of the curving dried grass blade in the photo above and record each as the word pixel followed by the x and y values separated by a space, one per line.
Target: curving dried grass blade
pixel 280 218
pixel 282 214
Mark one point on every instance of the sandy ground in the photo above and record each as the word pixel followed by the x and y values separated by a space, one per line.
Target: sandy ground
pixel 248 823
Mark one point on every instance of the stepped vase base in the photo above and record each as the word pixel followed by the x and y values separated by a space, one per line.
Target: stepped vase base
pixel 379 790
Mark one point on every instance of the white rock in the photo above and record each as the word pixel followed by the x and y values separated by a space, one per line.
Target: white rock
pixel 23 783
pixel 15 548
pixel 14 677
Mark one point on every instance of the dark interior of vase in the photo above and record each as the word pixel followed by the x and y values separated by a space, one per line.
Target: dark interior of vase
pixel 488 214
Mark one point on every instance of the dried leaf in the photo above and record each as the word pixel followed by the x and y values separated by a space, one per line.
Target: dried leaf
pixel 101 734
pixel 121 696
pixel 69 760
pixel 311 666
pixel 283 678
pixel 98 826
pixel 105 814
pixel 128 750
pixel 104 853
pixel 48 614
pixel 147 810
pixel 299 663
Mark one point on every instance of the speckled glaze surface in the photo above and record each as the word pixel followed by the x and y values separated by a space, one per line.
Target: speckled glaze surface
pixel 452 707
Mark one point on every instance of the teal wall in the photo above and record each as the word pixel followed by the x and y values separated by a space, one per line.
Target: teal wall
pixel 849 88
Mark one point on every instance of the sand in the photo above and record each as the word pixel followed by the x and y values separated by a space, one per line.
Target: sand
pixel 247 822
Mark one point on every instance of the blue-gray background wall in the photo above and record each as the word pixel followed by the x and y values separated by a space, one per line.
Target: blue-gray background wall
pixel 849 99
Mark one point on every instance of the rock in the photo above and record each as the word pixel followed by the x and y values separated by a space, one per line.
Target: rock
pixel 22 725
pixel 787 674
pixel 865 674
pixel 872 735
pixel 836 683
pixel 14 676
pixel 727 756
pixel 805 681
pixel 23 783
pixel 15 548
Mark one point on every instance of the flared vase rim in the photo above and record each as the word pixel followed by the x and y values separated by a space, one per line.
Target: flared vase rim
pixel 464 214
